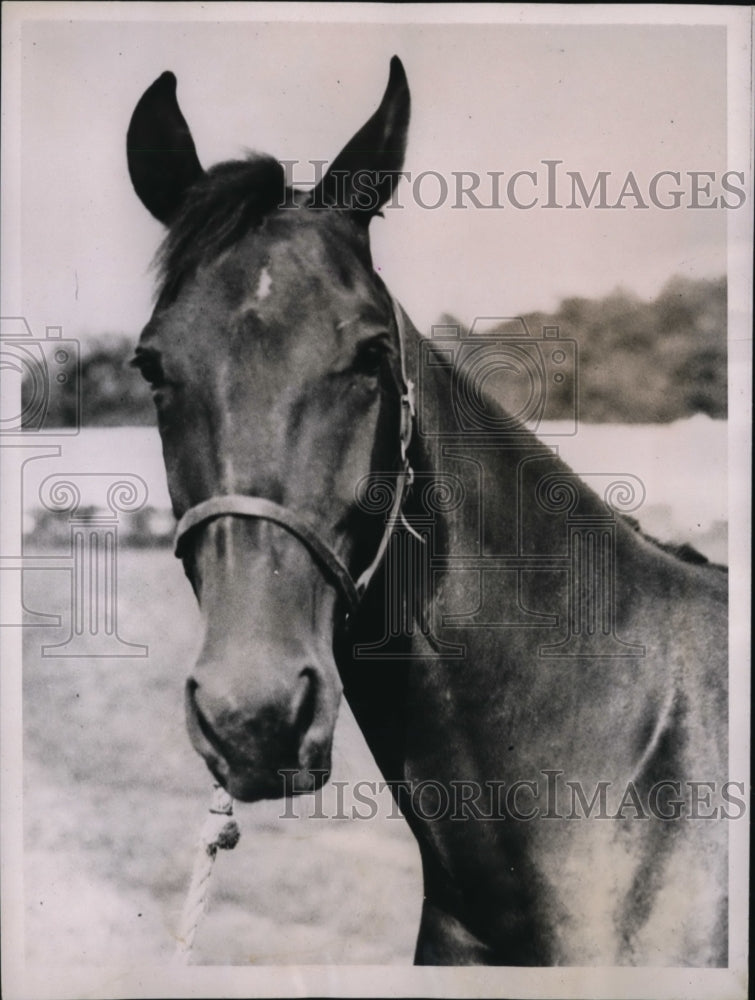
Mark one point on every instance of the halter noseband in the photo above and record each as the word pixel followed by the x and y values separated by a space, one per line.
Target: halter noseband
pixel 331 565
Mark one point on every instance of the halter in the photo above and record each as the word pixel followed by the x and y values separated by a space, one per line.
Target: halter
pixel 329 563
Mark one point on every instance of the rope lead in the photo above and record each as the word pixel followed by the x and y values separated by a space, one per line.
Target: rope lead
pixel 220 831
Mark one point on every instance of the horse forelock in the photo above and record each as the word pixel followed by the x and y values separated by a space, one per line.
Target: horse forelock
pixel 232 198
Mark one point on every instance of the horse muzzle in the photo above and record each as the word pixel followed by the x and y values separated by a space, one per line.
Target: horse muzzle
pixel 264 747
pixel 261 704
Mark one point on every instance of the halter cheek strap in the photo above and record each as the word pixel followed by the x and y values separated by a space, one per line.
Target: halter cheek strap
pixel 237 505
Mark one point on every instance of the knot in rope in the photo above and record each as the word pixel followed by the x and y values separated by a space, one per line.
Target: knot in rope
pixel 220 831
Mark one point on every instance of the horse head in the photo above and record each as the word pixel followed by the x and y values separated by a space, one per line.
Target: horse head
pixel 275 360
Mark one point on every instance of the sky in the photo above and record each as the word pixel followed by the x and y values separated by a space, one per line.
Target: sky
pixel 486 98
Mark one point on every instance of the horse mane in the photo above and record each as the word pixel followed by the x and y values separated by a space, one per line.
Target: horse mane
pixel 683 551
pixel 221 208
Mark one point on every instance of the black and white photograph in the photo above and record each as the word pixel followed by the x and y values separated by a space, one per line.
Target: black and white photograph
pixel 376 488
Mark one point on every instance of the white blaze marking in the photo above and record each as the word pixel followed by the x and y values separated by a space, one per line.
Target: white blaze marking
pixel 228 472
pixel 224 523
pixel 264 285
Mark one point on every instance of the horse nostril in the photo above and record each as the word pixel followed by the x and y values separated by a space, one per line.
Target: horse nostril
pixel 305 703
pixel 196 716
pixel 190 694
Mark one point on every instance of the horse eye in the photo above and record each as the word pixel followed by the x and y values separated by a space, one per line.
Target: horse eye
pixel 371 355
pixel 150 368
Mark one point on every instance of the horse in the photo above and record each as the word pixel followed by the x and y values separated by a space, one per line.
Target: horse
pixel 543 687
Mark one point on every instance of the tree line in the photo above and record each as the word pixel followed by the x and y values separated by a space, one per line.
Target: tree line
pixel 638 361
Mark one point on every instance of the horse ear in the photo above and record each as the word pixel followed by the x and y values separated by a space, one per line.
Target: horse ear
pixel 162 158
pixel 362 177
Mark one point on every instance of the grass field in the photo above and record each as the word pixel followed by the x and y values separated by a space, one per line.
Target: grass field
pixel 115 796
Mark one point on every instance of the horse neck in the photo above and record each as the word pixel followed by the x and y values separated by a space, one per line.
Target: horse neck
pixel 458 618
pixel 507 480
